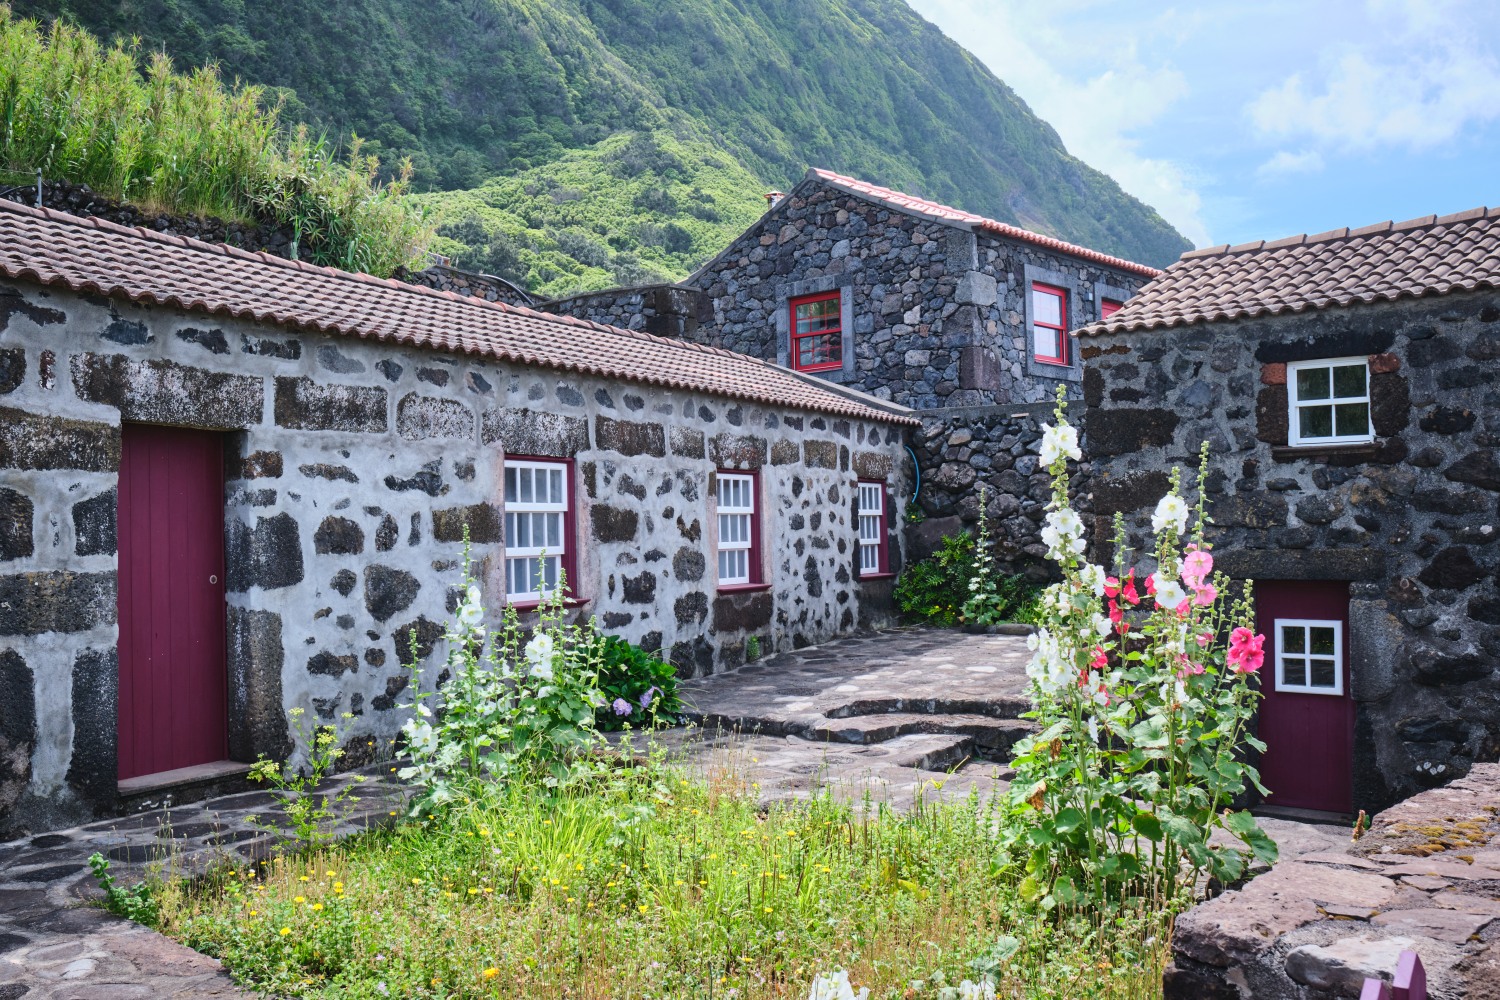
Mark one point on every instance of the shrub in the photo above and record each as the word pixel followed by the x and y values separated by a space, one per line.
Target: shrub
pixel 636 688
pixel 934 589
pixel 183 142
pixel 994 598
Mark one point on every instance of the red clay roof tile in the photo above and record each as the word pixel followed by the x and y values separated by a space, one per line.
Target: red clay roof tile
pixel 1381 262
pixel 96 256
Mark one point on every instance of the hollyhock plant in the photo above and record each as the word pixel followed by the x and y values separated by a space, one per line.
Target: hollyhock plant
pixel 1142 708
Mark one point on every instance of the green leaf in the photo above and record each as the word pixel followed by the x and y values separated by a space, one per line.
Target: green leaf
pixel 1068 820
pixel 1147 825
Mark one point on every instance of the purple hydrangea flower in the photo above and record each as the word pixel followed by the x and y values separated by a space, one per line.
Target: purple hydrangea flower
pixel 621 706
pixel 646 698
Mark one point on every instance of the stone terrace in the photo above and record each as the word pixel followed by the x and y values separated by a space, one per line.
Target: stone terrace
pixel 887 714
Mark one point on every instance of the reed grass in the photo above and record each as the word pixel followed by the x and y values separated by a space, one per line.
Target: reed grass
pixel 134 129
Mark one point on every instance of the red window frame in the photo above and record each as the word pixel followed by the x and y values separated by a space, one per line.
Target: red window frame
pixel 883 563
pixel 753 565
pixel 1062 329
pixel 569 560
pixel 1108 307
pixel 836 332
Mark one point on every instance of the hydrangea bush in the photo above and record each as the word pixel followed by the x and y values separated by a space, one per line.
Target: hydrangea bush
pixel 1141 683
pixel 514 703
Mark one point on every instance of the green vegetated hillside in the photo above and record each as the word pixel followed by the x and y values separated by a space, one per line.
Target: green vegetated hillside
pixel 521 103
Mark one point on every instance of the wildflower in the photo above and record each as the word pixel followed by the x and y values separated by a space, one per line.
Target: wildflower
pixel 299 899
pixel 621 706
pixel 490 973
pixel 1171 511
pixel 285 931
pixel 1058 441
pixel 836 987
pixel 1245 650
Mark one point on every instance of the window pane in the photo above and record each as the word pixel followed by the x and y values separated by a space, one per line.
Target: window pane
pixel 1046 307
pixel 1312 383
pixel 820 315
pixel 1046 342
pixel 554 532
pixel 549 567
pixel 1349 380
pixel 1322 641
pixel 1294 671
pixel 1323 674
pixel 1293 639
pixel 556 477
pixel 1352 419
pixel 526 496
pixel 1315 421
pixel 510 485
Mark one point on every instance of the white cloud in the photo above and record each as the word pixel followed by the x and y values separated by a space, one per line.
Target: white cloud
pixel 1037 52
pixel 1423 82
pixel 1285 163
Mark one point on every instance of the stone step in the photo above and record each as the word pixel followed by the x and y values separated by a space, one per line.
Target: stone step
pixel 991 737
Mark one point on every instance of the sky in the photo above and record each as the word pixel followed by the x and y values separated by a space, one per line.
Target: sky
pixel 1258 119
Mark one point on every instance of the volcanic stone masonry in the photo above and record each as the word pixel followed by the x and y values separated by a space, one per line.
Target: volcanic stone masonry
pixel 351 471
pixel 1410 520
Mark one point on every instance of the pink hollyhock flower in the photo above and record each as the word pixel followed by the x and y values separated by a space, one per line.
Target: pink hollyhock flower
pixel 1129 591
pixel 1111 587
pixel 1151 584
pixel 1100 660
pixel 1205 595
pixel 1196 567
pixel 1245 650
pixel 1115 614
pixel 1204 638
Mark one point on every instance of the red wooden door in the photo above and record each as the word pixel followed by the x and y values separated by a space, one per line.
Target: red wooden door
pixel 1307 717
pixel 172 669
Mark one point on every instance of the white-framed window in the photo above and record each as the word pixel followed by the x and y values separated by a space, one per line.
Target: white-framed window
pixel 872 531
pixel 536 522
pixel 1330 402
pixel 736 509
pixel 1309 656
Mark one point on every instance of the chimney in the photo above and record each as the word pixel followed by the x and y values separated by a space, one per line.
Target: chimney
pixel 773 198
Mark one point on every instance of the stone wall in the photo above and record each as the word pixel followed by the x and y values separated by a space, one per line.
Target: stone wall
pixel 1331 913
pixel 351 470
pixel 961 448
pixel 480 286
pixel 935 313
pixel 665 310
pixel 1410 521
pixel 80 200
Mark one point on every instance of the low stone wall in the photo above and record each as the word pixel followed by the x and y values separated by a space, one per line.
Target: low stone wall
pixel 1425 877
pixel 665 310
pixel 80 199
pixel 960 449
pixel 479 286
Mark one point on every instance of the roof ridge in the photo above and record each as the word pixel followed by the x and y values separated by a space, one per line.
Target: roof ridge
pixel 1346 233
pixel 937 210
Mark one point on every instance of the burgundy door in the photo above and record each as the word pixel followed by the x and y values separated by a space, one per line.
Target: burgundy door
pixel 172 670
pixel 1307 717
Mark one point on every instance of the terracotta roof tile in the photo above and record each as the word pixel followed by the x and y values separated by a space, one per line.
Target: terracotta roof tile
pixel 946 213
pixel 1377 263
pixel 96 256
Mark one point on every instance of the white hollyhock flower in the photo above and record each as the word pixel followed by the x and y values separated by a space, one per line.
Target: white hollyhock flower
pixel 539 654
pixel 836 987
pixel 1065 521
pixel 1170 510
pixel 1093 578
pixel 1169 593
pixel 982 990
pixel 1059 441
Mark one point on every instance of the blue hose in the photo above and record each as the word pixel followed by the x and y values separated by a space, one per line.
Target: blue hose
pixel 917 470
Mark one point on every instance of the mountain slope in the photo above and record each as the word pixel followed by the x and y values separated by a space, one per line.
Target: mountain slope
pixel 475 90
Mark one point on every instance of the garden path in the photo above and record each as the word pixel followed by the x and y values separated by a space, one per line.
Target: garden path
pixel 890 715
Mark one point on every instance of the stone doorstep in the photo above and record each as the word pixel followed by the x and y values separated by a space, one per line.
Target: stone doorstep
pixel 147 784
pixel 990 736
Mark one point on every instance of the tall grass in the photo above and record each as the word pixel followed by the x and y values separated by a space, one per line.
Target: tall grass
pixel 659 884
pixel 186 143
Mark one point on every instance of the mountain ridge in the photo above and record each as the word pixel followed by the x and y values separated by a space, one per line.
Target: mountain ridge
pixel 495 99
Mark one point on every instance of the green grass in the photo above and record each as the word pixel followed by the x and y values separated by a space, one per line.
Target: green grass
pixel 185 143
pixel 653 883
pixel 635 208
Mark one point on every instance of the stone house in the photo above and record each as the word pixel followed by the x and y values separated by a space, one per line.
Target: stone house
pixel 231 485
pixel 1346 386
pixel 961 317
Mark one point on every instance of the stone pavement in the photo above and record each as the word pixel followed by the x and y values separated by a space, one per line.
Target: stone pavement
pixel 1425 877
pixel 887 715
pixel 54 948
